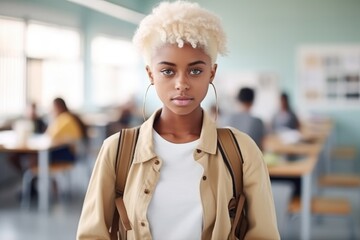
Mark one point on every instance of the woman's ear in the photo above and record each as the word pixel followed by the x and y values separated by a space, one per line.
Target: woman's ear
pixel 150 75
pixel 213 72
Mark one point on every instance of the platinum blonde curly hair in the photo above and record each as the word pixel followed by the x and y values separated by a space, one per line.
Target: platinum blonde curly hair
pixel 180 23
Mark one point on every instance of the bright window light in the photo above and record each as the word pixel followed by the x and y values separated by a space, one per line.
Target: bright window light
pixel 52 42
pixel 12 67
pixel 114 70
pixel 54 65
pixel 113 52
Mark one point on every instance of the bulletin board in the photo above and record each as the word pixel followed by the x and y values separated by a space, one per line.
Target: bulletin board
pixel 329 76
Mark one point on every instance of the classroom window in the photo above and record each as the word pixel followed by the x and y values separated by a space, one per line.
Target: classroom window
pixel 12 67
pixel 38 62
pixel 54 66
pixel 114 63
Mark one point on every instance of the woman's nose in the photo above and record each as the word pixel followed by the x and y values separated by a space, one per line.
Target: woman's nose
pixel 182 83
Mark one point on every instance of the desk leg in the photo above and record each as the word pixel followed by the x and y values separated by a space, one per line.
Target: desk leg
pixel 102 130
pixel 305 206
pixel 44 181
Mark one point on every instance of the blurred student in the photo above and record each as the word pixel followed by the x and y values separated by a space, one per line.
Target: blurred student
pixel 285 118
pixel 244 120
pixel 39 125
pixel 66 127
pixel 31 123
pixel 128 117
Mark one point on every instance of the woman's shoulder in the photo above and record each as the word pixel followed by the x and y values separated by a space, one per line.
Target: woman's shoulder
pixel 64 118
pixel 113 139
pixel 247 145
pixel 111 142
pixel 240 136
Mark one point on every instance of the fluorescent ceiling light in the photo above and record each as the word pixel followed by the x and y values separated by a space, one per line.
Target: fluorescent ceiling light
pixel 112 10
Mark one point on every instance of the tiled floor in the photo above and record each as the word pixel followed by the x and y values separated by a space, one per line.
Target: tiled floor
pixel 61 222
pixel 29 224
pixel 20 225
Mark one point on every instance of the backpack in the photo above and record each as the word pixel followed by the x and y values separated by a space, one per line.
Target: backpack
pixel 231 154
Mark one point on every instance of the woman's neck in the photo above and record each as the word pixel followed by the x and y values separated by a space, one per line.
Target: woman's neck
pixel 179 128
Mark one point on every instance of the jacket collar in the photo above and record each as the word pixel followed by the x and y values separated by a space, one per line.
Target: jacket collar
pixel 145 145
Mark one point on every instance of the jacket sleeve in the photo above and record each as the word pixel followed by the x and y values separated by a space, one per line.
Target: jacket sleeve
pixel 99 203
pixel 257 188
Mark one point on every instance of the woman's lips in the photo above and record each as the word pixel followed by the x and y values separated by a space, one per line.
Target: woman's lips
pixel 182 101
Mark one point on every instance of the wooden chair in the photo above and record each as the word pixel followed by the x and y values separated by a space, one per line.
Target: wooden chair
pixel 56 169
pixel 345 154
pixel 337 206
pixel 341 180
pixel 327 207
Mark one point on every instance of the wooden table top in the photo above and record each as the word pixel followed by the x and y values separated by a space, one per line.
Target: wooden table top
pixel 307 148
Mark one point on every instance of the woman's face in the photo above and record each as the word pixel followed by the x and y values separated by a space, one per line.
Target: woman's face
pixel 181 77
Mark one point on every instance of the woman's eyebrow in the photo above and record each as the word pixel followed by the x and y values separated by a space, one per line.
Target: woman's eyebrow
pixel 167 63
pixel 173 64
pixel 197 62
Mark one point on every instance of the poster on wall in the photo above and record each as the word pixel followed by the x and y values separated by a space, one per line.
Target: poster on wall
pixel 329 76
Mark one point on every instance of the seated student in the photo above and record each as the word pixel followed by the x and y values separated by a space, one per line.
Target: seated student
pixel 244 120
pixel 66 127
pixel 39 125
pixel 285 118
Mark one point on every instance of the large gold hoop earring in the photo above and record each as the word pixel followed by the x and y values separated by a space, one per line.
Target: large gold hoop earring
pixel 216 102
pixel 144 101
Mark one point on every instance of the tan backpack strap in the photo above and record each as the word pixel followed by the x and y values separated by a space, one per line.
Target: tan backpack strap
pixel 230 150
pixel 115 226
pixel 240 223
pixel 233 159
pixel 124 156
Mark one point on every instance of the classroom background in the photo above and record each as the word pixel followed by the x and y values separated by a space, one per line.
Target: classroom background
pixel 81 51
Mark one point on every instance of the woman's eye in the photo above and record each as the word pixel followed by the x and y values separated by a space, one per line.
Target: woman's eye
pixel 195 71
pixel 167 72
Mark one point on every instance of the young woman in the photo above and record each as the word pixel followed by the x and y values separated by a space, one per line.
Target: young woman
pixel 178 186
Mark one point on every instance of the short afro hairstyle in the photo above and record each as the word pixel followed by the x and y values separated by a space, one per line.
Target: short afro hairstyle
pixel 180 23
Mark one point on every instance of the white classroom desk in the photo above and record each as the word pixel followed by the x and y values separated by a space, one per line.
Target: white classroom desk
pixel 39 144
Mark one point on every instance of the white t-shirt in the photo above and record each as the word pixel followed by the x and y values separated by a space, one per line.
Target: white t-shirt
pixel 175 211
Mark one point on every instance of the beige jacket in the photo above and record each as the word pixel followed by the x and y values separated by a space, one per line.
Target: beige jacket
pixel 216 188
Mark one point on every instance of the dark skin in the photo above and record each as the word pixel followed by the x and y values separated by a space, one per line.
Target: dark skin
pixel 179 129
pixel 181 77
